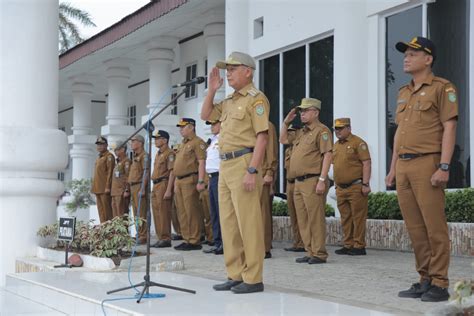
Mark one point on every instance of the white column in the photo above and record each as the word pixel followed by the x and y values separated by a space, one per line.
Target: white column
pixel 214 35
pixel 118 76
pixel 160 58
pixel 33 150
pixel 82 151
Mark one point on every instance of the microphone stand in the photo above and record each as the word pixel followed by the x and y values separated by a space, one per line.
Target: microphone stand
pixel 147 283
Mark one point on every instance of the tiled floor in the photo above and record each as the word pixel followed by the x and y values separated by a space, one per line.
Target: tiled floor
pixel 89 287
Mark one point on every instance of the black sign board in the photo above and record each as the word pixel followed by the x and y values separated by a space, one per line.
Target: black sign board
pixel 67 227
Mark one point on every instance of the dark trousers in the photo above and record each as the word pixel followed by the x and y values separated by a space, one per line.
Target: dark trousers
pixel 214 201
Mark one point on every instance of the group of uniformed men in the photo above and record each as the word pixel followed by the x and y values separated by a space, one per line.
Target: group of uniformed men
pixel 238 170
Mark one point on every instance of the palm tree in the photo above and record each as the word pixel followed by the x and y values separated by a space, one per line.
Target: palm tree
pixel 69 35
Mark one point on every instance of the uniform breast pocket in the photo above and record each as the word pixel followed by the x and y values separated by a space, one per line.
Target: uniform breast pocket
pixel 400 114
pixel 424 112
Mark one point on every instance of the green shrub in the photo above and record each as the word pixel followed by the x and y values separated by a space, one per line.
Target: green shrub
pixel 108 239
pixel 80 191
pixel 383 205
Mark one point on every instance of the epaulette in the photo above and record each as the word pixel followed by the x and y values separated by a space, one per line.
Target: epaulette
pixel 253 92
pixel 442 80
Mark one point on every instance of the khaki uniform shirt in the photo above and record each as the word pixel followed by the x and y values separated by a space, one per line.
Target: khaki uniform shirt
pixel 104 166
pixel 270 159
pixel 163 165
pixel 348 156
pixel 310 145
pixel 137 168
pixel 243 115
pixel 120 177
pixel 189 152
pixel 421 114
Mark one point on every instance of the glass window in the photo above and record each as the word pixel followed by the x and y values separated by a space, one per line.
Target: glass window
pixel 447 28
pixel 191 73
pixel 402 26
pixel 132 115
pixel 321 75
pixel 174 107
pixel 294 79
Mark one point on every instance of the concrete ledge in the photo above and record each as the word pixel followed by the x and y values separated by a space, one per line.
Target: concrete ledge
pixel 91 262
pixel 383 234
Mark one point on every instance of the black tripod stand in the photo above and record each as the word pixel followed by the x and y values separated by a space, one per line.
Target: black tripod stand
pixel 147 283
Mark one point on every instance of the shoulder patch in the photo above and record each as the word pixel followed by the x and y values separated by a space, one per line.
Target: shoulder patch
pixel 452 96
pixel 259 108
pixel 110 158
pixel 325 136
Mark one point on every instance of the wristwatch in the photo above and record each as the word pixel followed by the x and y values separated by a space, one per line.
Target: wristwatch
pixel 365 184
pixel 444 166
pixel 201 181
pixel 252 170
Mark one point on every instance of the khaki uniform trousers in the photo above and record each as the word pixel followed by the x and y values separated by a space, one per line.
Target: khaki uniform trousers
pixel 189 209
pixel 161 210
pixel 353 207
pixel 104 206
pixel 174 218
pixel 422 207
pixel 134 193
pixel 241 222
pixel 266 205
pixel 310 211
pixel 290 190
pixel 206 215
pixel 120 205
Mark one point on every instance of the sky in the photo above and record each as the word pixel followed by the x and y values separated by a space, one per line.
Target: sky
pixel 104 13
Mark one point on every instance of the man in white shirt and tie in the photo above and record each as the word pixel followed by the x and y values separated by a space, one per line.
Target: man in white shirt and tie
pixel 212 169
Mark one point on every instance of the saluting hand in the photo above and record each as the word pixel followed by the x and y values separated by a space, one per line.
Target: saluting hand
pixel 290 117
pixel 439 178
pixel 320 187
pixel 215 80
pixel 249 182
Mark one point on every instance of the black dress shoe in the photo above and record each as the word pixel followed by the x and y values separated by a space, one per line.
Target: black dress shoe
pixel 357 252
pixel 180 246
pixel 435 294
pixel 268 255
pixel 190 247
pixel 210 250
pixel 210 243
pixel 226 286
pixel 342 251
pixel 244 288
pixel 176 237
pixel 316 260
pixel 162 244
pixel 295 249
pixel 219 251
pixel 416 290
pixel 302 259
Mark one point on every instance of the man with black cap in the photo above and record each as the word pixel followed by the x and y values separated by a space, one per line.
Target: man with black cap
pixel 310 162
pixel 242 141
pixel 120 203
pixel 213 162
pixel 102 180
pixel 162 193
pixel 189 171
pixel 424 142
pixel 138 184
pixel 352 168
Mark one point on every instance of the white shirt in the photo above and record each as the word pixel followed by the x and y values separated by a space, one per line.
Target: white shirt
pixel 213 160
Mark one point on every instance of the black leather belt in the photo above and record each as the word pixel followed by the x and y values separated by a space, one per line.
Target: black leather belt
pixel 213 174
pixel 160 179
pixel 413 156
pixel 235 154
pixel 134 183
pixel 186 175
pixel 307 176
pixel 290 180
pixel 346 185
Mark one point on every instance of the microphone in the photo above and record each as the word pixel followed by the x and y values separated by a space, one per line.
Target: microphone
pixel 196 80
